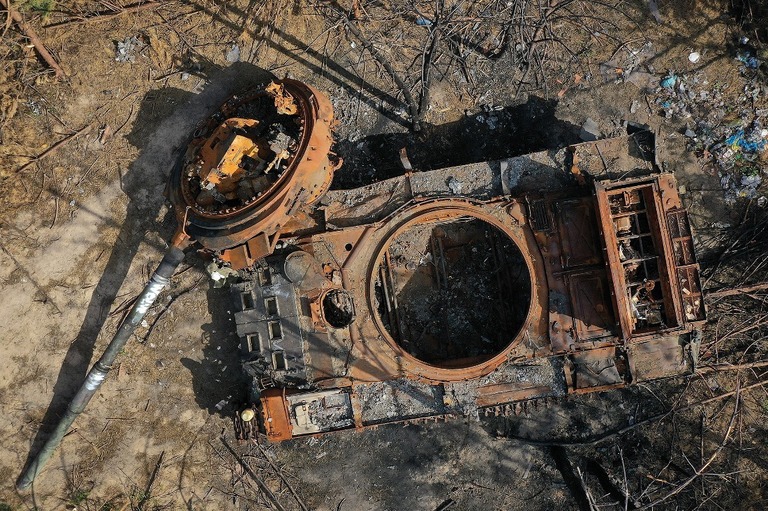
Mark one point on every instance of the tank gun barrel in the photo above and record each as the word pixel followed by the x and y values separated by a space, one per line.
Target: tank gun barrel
pixel 100 369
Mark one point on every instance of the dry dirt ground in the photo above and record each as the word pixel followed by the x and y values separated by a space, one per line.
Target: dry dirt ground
pixel 82 227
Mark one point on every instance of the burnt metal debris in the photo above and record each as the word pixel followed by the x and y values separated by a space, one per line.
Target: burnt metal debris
pixel 470 290
pixel 463 291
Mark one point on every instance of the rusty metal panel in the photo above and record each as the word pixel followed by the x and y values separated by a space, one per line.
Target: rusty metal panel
pixel 578 233
pixel 320 353
pixel 639 256
pixel 658 358
pixel 594 370
pixel 687 268
pixel 277 424
pixel 593 312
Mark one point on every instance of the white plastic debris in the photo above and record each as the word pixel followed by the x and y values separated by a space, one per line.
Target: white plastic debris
pixel 694 57
pixel 233 55
pixel 127 49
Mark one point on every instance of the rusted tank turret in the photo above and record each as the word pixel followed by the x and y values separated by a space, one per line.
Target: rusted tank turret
pixel 247 172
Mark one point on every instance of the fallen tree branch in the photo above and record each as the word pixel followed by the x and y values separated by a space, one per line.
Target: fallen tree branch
pixel 706 465
pixel 283 478
pixel 248 470
pixel 107 15
pixel 731 367
pixel 34 39
pixel 55 146
pixel 148 492
pixel 412 106
pixel 733 291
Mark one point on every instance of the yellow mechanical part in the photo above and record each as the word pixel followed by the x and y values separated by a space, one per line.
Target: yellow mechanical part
pixel 223 153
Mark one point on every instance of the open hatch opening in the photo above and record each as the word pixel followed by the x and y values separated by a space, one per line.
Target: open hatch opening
pixel 453 293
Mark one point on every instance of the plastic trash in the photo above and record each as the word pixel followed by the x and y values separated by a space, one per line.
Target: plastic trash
pixel 694 57
pixel 668 82
pixel 233 55
pixel 748 59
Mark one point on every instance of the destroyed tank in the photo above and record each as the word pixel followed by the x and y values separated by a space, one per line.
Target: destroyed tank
pixel 464 291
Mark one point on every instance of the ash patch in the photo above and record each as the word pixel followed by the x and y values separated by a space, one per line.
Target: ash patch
pixel 401 399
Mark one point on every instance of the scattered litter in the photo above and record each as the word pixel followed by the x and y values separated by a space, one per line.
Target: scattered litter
pixel 727 133
pixel 233 55
pixel 694 57
pixel 219 274
pixel 106 134
pixel 34 107
pixel 589 131
pixel 748 59
pixel 668 82
pixel 632 67
pixel 185 76
pixel 128 48
pixel 423 22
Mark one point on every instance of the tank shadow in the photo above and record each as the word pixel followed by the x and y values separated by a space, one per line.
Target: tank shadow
pixel 164 122
pixel 493 135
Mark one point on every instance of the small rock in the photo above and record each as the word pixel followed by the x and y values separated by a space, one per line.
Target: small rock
pixel 160 364
pixel 455 186
pixel 589 131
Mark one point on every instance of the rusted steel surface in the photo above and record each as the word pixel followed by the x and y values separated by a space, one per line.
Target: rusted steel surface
pixel 251 167
pixel 555 273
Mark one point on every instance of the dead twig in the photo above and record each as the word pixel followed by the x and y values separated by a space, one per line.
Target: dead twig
pixel 34 39
pixel 653 418
pixel 247 468
pixel 410 101
pixel 284 479
pixel 107 15
pixel 706 465
pixel 148 492
pixel 733 291
pixel 55 146
pixel 167 306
